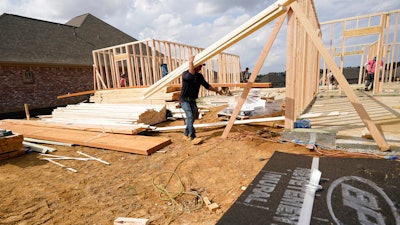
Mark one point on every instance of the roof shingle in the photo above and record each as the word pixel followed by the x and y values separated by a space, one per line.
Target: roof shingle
pixel 27 40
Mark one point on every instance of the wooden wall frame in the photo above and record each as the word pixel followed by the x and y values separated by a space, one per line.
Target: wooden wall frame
pixel 142 60
pixel 381 47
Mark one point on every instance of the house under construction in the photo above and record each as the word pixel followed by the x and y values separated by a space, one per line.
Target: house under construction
pixel 305 51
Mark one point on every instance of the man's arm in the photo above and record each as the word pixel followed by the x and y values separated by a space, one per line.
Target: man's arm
pixel 191 66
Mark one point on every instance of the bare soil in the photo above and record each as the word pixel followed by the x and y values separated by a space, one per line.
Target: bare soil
pixel 163 187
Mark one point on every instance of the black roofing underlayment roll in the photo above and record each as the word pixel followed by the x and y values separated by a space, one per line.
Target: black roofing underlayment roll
pixel 354 191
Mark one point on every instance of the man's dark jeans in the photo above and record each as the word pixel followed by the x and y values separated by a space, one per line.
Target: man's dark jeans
pixel 190 108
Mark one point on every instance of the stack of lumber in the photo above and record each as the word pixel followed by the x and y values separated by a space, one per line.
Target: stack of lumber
pixel 134 96
pixel 10 144
pixel 109 114
pixel 138 144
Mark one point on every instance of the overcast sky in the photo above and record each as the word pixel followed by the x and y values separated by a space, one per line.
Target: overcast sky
pixel 193 22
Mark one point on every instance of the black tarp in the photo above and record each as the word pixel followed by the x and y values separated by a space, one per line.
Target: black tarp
pixel 354 191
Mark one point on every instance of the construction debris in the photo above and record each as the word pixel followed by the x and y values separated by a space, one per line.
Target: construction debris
pixel 51 158
pixel 130 221
pixel 211 206
pixel 38 148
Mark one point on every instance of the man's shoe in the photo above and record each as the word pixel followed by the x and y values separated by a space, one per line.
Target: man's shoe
pixel 186 138
pixel 196 141
pixel 366 89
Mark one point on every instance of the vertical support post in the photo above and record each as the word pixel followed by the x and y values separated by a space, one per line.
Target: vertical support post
pixel 379 52
pixel 254 74
pixel 28 116
pixel 290 71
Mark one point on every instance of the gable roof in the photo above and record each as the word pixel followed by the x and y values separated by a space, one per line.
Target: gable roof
pixel 27 40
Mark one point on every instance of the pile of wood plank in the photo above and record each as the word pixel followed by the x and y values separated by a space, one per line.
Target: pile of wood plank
pixel 134 96
pixel 139 144
pixel 104 123
pixel 109 114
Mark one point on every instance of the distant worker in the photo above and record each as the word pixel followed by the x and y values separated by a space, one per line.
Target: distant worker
pixel 122 81
pixel 192 79
pixel 332 81
pixel 140 76
pixel 245 75
pixel 164 69
pixel 371 68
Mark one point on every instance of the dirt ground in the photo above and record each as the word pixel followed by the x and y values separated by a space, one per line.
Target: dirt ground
pixel 163 187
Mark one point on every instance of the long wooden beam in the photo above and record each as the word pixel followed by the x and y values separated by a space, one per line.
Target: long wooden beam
pixel 76 94
pixel 253 76
pixel 240 85
pixel 359 17
pixel 377 136
pixel 255 23
pixel 362 31
pixel 359 52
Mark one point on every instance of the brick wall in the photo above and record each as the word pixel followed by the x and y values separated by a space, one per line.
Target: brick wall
pixel 39 86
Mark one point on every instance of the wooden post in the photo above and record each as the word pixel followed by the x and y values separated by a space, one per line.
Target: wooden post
pixel 28 116
pixel 254 74
pixel 361 72
pixel 290 71
pixel 379 52
pixel 394 45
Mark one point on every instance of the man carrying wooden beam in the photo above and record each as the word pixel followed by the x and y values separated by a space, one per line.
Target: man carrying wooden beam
pixel 191 81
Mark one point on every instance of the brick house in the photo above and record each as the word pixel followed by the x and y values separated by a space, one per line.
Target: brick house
pixel 40 60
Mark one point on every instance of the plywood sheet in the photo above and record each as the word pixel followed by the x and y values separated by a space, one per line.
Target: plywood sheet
pixel 138 144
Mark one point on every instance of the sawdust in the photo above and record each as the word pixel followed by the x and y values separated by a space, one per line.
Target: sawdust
pixel 164 187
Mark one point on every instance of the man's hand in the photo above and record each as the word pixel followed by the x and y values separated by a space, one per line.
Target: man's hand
pixel 218 91
pixel 191 66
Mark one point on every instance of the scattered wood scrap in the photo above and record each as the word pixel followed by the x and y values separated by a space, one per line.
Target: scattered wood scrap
pixel 365 134
pixel 130 221
pixel 211 206
pixel 52 158
pixel 37 147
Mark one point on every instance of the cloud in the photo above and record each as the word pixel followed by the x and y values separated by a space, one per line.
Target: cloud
pixel 194 22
